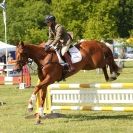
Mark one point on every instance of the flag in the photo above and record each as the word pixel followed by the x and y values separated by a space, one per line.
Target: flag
pixel 4 17
pixel 3 5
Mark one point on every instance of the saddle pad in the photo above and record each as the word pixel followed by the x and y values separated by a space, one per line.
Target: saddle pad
pixel 75 55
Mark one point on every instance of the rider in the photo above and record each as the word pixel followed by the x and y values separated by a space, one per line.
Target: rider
pixel 59 36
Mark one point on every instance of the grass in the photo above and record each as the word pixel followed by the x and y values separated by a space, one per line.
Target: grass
pixel 12 114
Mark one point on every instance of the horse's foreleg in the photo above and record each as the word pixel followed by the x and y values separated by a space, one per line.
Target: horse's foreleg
pixel 32 99
pixel 42 86
pixel 41 98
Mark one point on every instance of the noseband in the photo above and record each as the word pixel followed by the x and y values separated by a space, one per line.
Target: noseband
pixel 22 61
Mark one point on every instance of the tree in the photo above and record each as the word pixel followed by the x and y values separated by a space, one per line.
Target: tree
pixel 125 18
pixel 102 24
pixel 25 20
pixel 72 14
pixel 49 1
pixel 93 19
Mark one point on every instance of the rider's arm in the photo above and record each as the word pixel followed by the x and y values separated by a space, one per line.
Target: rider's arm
pixel 59 32
pixel 50 38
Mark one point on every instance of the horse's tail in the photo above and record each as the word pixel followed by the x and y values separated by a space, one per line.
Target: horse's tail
pixel 110 59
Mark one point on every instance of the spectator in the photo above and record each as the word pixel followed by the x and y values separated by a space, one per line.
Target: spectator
pixel 3 58
pixel 10 58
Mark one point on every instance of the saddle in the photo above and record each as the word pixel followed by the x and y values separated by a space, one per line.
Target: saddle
pixel 75 57
pixel 74 54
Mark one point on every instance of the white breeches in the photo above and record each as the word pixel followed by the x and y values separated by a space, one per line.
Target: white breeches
pixel 65 47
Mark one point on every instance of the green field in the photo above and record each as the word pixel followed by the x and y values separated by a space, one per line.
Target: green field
pixel 12 114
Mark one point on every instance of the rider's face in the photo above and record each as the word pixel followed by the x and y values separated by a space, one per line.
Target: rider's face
pixel 49 24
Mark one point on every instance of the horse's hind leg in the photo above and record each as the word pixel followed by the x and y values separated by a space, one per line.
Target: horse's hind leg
pixel 105 73
pixel 114 69
pixel 107 78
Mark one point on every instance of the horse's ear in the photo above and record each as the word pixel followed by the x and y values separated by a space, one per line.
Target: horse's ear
pixel 21 44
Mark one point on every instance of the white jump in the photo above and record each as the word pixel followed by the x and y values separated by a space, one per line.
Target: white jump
pixel 96 93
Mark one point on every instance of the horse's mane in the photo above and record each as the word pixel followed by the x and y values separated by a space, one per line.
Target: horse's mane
pixel 33 47
pixel 36 49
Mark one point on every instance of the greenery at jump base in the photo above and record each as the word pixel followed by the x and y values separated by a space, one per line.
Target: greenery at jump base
pixel 12 114
pixel 89 19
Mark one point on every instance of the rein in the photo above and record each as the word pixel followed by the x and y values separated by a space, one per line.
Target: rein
pixel 50 60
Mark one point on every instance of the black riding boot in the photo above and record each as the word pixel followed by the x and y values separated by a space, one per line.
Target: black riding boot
pixel 68 60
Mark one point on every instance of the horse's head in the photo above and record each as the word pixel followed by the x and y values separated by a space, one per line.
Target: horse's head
pixel 21 56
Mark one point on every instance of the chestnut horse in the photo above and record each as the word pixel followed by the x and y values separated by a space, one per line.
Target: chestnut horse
pixel 94 55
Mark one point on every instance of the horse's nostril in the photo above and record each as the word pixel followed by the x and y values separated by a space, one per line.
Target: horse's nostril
pixel 18 70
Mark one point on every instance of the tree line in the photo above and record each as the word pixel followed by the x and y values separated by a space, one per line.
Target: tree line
pixel 88 19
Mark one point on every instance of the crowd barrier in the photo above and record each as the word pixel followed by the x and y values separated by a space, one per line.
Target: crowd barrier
pixel 9 80
pixel 74 96
pixel 14 77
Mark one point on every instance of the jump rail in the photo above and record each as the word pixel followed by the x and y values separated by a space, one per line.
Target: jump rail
pixel 93 85
pixel 97 93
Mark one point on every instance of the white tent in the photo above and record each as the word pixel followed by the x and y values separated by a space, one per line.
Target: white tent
pixel 5 48
pixel 8 47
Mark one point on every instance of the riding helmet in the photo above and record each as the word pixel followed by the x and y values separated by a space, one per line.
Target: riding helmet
pixel 50 18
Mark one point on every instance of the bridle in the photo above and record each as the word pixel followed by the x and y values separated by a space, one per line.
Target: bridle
pixel 22 61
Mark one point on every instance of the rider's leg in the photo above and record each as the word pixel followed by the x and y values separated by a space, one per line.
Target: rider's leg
pixel 67 58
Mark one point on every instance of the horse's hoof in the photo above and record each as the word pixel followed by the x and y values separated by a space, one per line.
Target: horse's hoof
pixel 38 122
pixel 2 103
pixel 117 74
pixel 112 79
pixel 30 109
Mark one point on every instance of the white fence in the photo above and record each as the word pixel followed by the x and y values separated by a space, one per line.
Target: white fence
pixel 92 96
pixel 75 96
